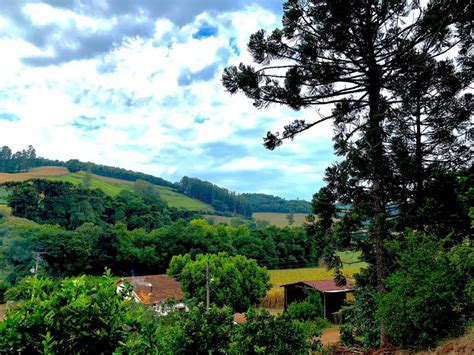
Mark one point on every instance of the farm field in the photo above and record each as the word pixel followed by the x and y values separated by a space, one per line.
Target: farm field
pixel 42 172
pixel 280 219
pixel 274 298
pixel 275 219
pixel 110 186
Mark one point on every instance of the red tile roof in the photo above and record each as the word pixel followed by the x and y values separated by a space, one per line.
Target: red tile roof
pixel 153 289
pixel 326 285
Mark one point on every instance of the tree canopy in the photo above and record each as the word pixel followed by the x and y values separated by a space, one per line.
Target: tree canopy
pixel 234 281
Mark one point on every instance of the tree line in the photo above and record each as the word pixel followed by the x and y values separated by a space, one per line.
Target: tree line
pixel 221 199
pixel 275 204
pixel 90 248
pixel 70 206
pixel 26 159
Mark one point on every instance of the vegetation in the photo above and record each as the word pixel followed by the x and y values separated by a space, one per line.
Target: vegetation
pixel 427 292
pixel 269 203
pixel 90 248
pixel 219 198
pixel 280 219
pixel 4 193
pixel 71 206
pixel 266 334
pixel 235 281
pixel 63 316
pixel 402 120
pixel 308 310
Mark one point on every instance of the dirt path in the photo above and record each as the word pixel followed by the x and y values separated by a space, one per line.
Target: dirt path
pixel 330 336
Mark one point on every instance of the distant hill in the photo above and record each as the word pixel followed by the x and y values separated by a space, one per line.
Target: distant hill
pixel 189 193
pixel 25 160
pixel 221 199
pixel 111 186
pixel 275 204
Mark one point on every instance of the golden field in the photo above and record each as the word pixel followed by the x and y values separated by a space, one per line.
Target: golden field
pixel 274 297
pixel 280 219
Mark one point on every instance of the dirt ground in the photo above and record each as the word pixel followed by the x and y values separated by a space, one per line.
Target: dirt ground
pixel 330 336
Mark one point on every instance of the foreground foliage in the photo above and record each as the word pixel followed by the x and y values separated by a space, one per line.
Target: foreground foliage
pixel 67 316
pixel 429 297
pixel 87 315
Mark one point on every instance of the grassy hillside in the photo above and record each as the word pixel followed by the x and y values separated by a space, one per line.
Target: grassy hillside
pixel 110 186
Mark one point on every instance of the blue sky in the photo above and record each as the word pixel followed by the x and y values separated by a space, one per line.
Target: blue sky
pixel 136 84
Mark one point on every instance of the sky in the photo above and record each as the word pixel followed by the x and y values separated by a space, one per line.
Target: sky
pixel 137 84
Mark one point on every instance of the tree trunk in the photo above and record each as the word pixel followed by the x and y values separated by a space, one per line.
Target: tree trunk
pixel 378 164
pixel 419 193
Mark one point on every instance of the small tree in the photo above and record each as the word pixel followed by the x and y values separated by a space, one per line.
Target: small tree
pixel 234 281
pixel 291 218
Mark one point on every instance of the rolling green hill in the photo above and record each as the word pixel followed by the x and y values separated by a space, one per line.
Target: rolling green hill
pixel 110 186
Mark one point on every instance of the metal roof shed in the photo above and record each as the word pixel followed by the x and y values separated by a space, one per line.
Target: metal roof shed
pixel 332 296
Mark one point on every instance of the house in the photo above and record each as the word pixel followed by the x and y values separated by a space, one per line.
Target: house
pixel 161 292
pixel 332 296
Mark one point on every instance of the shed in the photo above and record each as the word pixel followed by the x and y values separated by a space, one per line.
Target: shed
pixel 332 296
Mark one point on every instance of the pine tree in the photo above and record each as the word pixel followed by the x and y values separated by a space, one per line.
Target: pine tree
pixel 348 54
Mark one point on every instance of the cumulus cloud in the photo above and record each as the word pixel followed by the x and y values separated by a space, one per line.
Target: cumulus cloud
pixel 137 84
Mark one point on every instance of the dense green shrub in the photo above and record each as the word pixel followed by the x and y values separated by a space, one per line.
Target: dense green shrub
pixel 361 326
pixel 308 310
pixel 428 298
pixel 69 316
pixel 263 333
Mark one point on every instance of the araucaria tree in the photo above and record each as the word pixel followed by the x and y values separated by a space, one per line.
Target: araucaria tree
pixel 350 54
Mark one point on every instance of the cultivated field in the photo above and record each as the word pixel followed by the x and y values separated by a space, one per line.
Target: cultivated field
pixel 42 172
pixel 274 297
pixel 275 219
pixel 280 219
pixel 110 186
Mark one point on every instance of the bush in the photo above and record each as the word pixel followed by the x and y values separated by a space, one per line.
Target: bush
pixel 69 317
pixel 307 310
pixel 3 288
pixel 427 298
pixel 263 333
pixel 361 326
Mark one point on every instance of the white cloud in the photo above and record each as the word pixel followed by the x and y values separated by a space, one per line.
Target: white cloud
pixel 148 121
